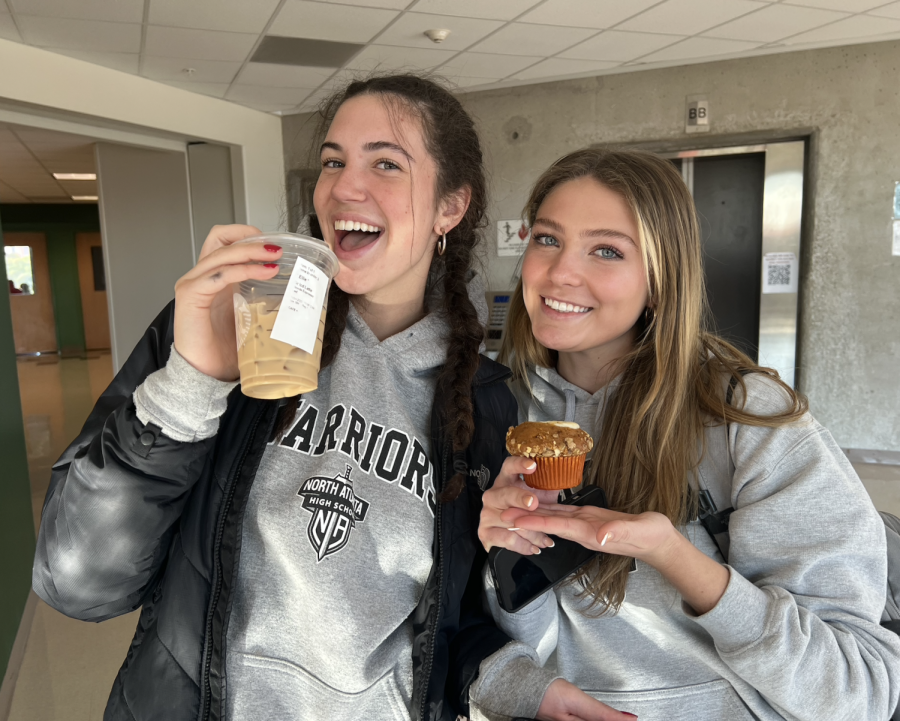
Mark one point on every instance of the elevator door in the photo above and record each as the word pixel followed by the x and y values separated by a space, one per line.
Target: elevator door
pixel 749 201
pixel 728 193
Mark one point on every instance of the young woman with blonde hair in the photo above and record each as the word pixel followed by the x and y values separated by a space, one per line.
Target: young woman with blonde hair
pixel 608 328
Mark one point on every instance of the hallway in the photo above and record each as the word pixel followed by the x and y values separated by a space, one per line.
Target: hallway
pixel 69 665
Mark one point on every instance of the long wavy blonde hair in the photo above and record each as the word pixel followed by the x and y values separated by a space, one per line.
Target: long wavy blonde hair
pixel 673 382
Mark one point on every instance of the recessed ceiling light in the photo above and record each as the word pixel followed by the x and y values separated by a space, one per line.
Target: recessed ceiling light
pixel 85 197
pixel 75 176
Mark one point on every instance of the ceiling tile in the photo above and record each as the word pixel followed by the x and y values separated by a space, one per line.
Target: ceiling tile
pixel 485 65
pixel 388 4
pixel 409 31
pixel 493 10
pixel 8 30
pixel 311 101
pixel 79 187
pixel 89 35
pixel 198 44
pixel 534 40
pixel 276 96
pixel 688 17
pixel 615 45
pixel 850 6
pixel 301 19
pixel 557 67
pixel 238 16
pixel 205 71
pixel 284 76
pixel 384 57
pixel 126 62
pixel 888 11
pixel 586 13
pixel 859 26
pixel 463 82
pixel 120 11
pixel 774 23
pixel 9 195
pixel 215 90
pixel 697 48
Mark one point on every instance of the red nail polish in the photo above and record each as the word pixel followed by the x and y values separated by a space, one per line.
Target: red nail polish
pixel 270 265
pixel 272 248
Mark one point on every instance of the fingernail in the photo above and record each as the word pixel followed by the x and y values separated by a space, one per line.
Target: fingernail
pixel 512 529
pixel 270 265
pixel 272 248
pixel 529 501
pixel 531 465
pixel 629 714
pixel 603 543
pixel 536 551
pixel 550 543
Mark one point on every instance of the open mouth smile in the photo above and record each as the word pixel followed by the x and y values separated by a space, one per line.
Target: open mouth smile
pixel 561 307
pixel 351 235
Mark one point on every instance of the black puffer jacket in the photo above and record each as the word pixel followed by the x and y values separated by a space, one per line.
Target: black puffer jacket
pixel 133 518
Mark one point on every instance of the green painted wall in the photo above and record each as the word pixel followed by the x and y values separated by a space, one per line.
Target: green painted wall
pixel 59 223
pixel 16 522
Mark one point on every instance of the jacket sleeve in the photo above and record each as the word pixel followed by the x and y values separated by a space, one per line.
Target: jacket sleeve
pixel 114 497
pixel 478 637
pixel 799 620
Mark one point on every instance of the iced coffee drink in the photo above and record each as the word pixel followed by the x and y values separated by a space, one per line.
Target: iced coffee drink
pixel 270 368
pixel 291 307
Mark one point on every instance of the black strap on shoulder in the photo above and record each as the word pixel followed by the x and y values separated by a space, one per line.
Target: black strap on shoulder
pixel 715 521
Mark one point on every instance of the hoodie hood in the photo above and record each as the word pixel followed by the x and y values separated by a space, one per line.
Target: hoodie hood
pixel 553 398
pixel 421 348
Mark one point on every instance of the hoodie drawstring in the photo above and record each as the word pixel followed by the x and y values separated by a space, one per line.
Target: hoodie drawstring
pixel 570 405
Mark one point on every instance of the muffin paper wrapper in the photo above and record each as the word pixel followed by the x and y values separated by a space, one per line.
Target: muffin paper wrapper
pixel 557 473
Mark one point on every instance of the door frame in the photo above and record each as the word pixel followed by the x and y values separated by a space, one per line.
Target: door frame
pixel 784 191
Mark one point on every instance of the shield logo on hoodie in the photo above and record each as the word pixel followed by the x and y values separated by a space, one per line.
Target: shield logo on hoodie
pixel 335 511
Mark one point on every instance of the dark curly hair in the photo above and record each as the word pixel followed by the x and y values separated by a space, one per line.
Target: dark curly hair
pixel 452 141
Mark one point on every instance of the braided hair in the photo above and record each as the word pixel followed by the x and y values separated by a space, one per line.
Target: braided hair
pixel 452 141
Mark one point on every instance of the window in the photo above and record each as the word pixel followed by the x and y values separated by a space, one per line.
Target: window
pixel 19 269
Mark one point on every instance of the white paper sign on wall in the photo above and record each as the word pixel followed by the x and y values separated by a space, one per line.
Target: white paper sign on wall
pixel 512 237
pixel 780 273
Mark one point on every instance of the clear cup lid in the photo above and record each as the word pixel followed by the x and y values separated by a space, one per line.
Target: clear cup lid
pixel 296 246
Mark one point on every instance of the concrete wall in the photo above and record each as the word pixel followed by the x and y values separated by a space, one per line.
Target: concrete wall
pixel 846 99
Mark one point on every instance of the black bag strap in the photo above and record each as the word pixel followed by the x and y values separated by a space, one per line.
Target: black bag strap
pixel 714 476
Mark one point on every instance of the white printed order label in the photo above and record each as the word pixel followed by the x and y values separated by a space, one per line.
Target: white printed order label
pixel 297 322
pixel 780 273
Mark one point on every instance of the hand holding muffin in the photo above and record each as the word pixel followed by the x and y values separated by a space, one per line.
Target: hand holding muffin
pixel 559 449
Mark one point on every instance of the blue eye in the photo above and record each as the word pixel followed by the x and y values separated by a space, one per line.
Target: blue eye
pixel 385 164
pixel 547 240
pixel 608 253
pixel 332 163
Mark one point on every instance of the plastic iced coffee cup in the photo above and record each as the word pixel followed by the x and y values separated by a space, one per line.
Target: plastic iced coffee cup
pixel 280 322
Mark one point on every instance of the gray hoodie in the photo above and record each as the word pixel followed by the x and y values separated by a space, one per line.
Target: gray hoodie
pixel 796 634
pixel 336 544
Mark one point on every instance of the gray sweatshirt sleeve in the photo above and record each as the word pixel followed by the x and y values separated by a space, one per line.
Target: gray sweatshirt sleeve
pixel 183 402
pixel 799 619
pixel 512 682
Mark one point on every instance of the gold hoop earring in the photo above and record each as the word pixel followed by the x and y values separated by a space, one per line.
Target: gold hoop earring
pixel 442 243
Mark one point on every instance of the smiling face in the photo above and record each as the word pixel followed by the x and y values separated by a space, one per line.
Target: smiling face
pixel 375 200
pixel 583 276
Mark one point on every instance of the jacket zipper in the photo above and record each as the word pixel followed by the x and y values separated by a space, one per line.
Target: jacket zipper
pixel 429 660
pixel 217 587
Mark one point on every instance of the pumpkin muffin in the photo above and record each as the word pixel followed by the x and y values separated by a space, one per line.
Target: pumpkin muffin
pixel 559 449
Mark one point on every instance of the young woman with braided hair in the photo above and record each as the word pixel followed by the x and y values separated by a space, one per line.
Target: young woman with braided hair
pixel 315 557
